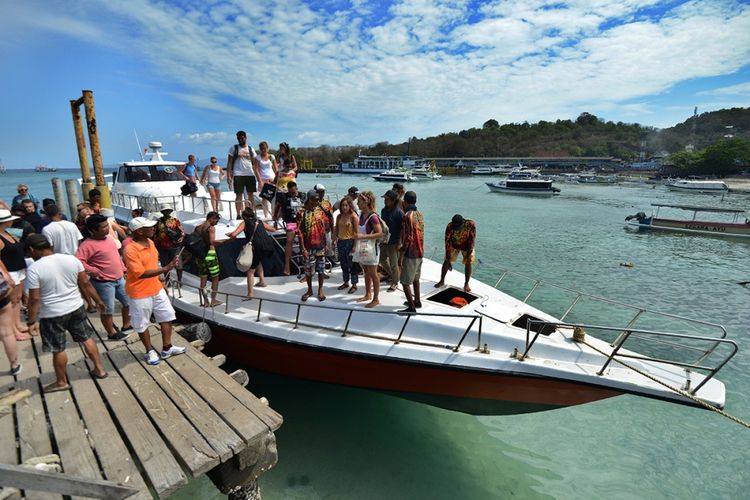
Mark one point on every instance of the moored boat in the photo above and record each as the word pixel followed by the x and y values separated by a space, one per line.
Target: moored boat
pixel 492 170
pixel 526 181
pixel 698 186
pixel 425 172
pixel 395 176
pixel 44 168
pixel 734 227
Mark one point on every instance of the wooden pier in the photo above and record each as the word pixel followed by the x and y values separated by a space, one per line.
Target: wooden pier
pixel 148 429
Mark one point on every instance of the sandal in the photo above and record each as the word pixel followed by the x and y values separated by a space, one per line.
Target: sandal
pixel 306 296
pixel 352 289
pixel 53 387
pixel 345 285
pixel 321 298
pixel 261 284
pixel 392 288
pixel 96 375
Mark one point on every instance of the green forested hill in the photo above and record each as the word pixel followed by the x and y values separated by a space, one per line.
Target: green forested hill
pixel 587 135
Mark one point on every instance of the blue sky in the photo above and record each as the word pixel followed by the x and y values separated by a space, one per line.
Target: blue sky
pixel 334 72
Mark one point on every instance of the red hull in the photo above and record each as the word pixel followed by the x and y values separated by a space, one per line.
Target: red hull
pixel 477 392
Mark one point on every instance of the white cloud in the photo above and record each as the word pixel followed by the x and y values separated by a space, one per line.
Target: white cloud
pixel 741 89
pixel 218 138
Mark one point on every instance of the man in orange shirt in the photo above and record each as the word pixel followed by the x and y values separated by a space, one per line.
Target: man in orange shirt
pixel 145 290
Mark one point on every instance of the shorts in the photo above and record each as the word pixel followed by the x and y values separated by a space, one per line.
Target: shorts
pixel 108 291
pixel 214 185
pixel 167 255
pixel 18 276
pixel 53 330
pixel 291 227
pixel 316 261
pixel 244 182
pixel 466 255
pixel 411 270
pixel 208 267
pixel 141 310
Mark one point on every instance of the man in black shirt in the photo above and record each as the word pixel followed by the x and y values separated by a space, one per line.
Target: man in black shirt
pixel 31 216
pixel 288 206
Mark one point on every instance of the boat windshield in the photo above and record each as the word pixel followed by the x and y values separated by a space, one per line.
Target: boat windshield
pixel 148 173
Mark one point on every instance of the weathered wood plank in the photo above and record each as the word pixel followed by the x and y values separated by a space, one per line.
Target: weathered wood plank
pixel 242 420
pixel 33 436
pixel 24 478
pixel 268 416
pixel 219 435
pixel 9 445
pixel 109 447
pixel 163 471
pixel 190 447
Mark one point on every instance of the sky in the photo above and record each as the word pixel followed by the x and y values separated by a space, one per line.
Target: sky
pixel 192 73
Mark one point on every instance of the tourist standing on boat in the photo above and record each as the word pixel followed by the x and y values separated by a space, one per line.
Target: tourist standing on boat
pixel 344 235
pixel 7 322
pixel 242 171
pixel 31 215
pixel 313 225
pixel 399 188
pixel 23 194
pixel 189 172
pixel 393 217
pixel 13 255
pixel 460 235
pixel 169 237
pixel 145 290
pixel 208 266
pixel 262 245
pixel 95 200
pixel 368 232
pixel 55 284
pixel 212 177
pixel 351 195
pixel 412 248
pixel 287 165
pixel 63 234
pixel 288 206
pixel 267 168
pixel 101 260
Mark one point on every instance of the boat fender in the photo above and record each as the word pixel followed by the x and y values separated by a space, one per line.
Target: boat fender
pixel 579 334
pixel 627 264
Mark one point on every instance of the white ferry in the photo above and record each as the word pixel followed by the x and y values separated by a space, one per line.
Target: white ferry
pixel 375 164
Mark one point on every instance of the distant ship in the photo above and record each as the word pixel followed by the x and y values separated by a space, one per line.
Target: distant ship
pixel 2 167
pixel 44 168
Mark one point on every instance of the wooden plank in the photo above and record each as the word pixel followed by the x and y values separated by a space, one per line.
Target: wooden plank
pixel 9 446
pixel 163 471
pixel 219 435
pixel 113 454
pixel 267 415
pixel 25 478
pixel 189 446
pixel 242 420
pixel 33 436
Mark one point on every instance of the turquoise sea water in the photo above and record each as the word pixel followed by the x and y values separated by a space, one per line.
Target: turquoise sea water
pixel 340 442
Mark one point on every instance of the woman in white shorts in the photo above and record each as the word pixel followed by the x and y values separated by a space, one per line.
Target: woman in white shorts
pixel 268 169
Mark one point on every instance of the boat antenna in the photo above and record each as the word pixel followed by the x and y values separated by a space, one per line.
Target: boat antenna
pixel 140 150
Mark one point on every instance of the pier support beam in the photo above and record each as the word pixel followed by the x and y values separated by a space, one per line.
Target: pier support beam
pixel 238 477
pixel 59 195
pixel 71 188
pixel 83 160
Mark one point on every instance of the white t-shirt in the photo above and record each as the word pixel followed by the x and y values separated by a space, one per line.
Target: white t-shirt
pixel 64 236
pixel 57 278
pixel 243 163
pixel 265 167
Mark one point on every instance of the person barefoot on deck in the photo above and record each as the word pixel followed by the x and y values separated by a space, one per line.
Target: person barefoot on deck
pixel 208 266
pixel 369 229
pixel 460 235
pixel 412 249
pixel 313 224
pixel 344 236
pixel 251 226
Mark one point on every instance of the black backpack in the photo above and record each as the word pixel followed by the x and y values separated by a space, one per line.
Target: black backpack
pixel 262 240
pixel 196 245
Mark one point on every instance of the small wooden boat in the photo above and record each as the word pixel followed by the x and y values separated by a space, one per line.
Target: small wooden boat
pixel 734 227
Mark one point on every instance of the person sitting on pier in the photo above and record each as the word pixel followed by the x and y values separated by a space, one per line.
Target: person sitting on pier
pixel 412 248
pixel 208 266
pixel 460 235
pixel 102 261
pixel 262 245
pixel 146 292
pixel 288 206
pixel 55 282
pixel 312 226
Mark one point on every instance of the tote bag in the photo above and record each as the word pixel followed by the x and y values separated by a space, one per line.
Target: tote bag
pixel 245 258
pixel 268 192
pixel 366 253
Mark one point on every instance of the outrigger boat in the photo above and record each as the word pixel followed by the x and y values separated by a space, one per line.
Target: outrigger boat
pixel 735 227
pixel 480 352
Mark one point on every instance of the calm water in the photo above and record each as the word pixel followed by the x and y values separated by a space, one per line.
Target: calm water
pixel 339 442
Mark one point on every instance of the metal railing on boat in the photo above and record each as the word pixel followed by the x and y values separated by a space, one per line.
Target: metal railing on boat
pixel 150 204
pixel 473 319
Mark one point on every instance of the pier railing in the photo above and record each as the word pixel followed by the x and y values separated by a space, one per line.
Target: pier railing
pixel 701 362
pixel 474 321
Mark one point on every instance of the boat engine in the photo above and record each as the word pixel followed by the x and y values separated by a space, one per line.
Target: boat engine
pixel 639 216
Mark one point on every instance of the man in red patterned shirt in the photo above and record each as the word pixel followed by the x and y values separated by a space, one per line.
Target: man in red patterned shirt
pixel 412 248
pixel 460 235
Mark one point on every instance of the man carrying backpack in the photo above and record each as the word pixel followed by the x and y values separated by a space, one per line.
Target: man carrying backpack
pixel 169 238
pixel 393 217
pixel 242 171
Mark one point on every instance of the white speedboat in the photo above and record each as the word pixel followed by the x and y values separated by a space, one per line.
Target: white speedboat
pixel 492 170
pixel 395 176
pixel 425 172
pixel 526 182
pixel 698 186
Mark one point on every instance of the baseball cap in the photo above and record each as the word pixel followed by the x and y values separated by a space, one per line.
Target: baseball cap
pixel 38 241
pixel 390 194
pixel 457 221
pixel 165 206
pixel 353 190
pixel 140 222
pixel 312 194
pixel 319 187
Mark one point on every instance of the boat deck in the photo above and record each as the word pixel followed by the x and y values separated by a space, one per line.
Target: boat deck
pixel 150 428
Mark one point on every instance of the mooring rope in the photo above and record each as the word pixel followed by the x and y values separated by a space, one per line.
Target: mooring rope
pixel 580 336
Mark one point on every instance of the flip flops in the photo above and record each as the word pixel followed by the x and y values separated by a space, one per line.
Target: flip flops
pixel 96 375
pixel 306 296
pixel 53 387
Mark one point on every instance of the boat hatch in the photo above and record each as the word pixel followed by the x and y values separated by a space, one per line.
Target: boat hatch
pixel 453 297
pixel 544 329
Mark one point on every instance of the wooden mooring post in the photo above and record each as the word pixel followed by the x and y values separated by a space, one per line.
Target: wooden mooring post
pixel 87 99
pixel 144 430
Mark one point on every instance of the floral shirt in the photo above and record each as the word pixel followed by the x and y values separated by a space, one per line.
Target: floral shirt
pixel 313 226
pixel 412 233
pixel 169 233
pixel 460 239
